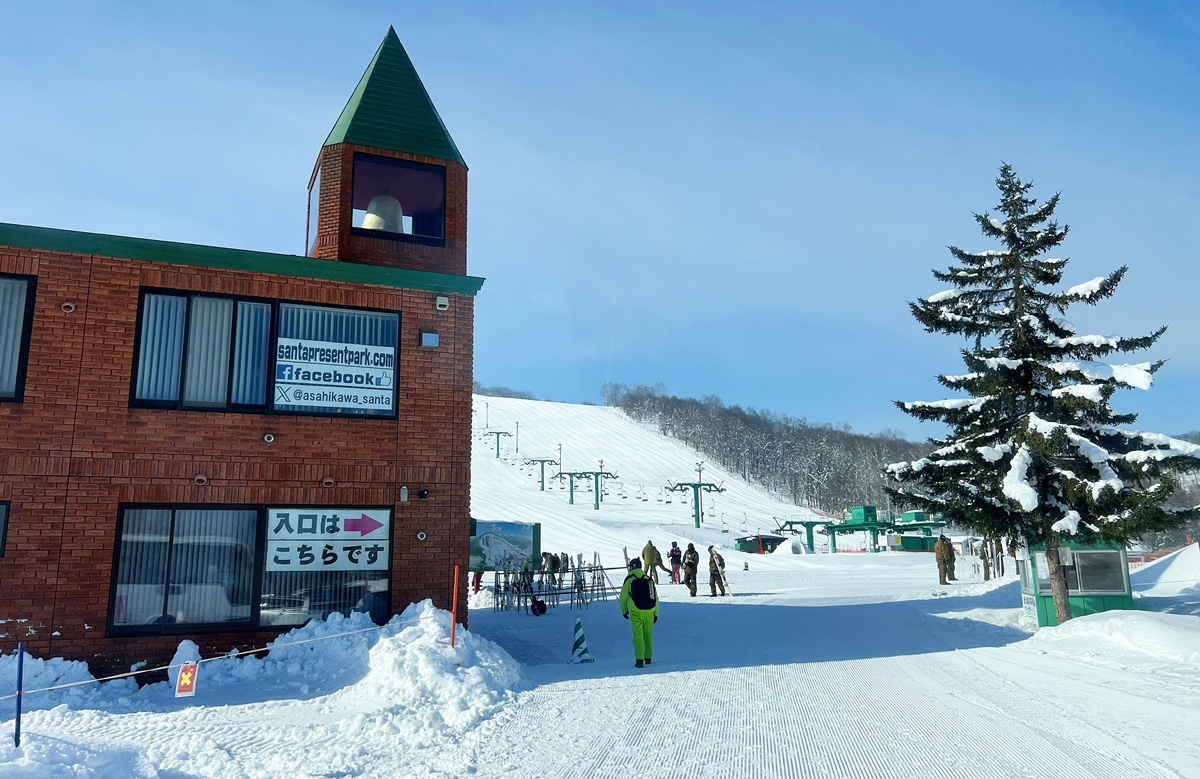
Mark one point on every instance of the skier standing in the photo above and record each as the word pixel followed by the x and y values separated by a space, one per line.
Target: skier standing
pixel 691 562
pixel 942 552
pixel 675 555
pixel 716 575
pixel 652 560
pixel 639 605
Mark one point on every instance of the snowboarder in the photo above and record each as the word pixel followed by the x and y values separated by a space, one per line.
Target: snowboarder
pixel 691 562
pixel 942 553
pixel 639 605
pixel 716 572
pixel 652 560
pixel 675 555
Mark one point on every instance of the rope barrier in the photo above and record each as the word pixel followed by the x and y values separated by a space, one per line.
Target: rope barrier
pixel 228 655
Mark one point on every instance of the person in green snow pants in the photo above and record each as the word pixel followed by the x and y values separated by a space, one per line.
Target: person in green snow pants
pixel 639 604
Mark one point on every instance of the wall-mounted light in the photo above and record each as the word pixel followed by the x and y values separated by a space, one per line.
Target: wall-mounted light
pixel 441 303
pixel 68 307
pixel 421 535
pixel 200 479
pixel 404 494
pixel 327 481
pixel 269 437
pixel 422 494
pixel 430 339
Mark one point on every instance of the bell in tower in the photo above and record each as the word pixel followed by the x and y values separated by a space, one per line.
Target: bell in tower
pixel 390 187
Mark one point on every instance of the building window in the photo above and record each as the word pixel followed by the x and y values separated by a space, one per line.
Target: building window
pixel 16 321
pixel 1089 572
pixel 200 351
pixel 4 504
pixel 179 568
pixel 184 567
pixel 399 199
pixel 429 339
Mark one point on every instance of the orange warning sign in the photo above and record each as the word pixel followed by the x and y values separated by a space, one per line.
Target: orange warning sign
pixel 185 686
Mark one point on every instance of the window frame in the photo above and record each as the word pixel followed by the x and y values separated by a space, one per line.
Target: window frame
pixel 385 235
pixel 26 335
pixel 268 406
pixel 258 569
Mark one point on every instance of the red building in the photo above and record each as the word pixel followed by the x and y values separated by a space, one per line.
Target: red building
pixel 221 444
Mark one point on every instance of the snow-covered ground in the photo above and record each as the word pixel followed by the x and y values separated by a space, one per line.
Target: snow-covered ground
pixel 820 665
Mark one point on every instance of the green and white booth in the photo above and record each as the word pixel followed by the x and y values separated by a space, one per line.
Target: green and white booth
pixel 1097 580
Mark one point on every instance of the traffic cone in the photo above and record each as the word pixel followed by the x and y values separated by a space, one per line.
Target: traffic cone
pixel 579 650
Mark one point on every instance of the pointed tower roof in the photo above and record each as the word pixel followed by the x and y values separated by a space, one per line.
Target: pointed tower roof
pixel 390 109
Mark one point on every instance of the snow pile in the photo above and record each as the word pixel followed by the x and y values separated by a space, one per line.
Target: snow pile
pixel 376 690
pixel 1173 575
pixel 40 674
pixel 1126 638
pixel 434 692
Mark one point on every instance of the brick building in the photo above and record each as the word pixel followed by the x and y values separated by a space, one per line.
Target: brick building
pixel 220 444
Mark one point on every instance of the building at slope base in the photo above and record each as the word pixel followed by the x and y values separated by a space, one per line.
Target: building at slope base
pixel 219 444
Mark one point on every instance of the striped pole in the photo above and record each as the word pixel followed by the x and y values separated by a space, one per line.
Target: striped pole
pixel 579 650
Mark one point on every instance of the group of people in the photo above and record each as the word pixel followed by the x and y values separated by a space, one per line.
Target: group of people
pixel 684 565
pixel 639 591
pixel 943 551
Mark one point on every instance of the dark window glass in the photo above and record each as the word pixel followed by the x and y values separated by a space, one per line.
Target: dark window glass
pixel 160 347
pixel 184 567
pixel 16 315
pixel 1102 571
pixel 3 526
pixel 294 597
pixel 251 353
pixel 397 198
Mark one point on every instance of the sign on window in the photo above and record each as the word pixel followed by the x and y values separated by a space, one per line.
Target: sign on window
pixel 324 374
pixel 328 539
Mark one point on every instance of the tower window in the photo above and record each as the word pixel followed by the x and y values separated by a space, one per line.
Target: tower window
pixel 399 199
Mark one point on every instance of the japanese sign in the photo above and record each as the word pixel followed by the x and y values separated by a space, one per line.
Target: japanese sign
pixel 334 375
pixel 185 685
pixel 328 539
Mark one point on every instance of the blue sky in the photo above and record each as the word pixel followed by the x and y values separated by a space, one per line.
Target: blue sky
pixel 729 199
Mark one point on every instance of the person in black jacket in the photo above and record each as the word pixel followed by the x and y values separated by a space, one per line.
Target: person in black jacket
pixel 675 555
pixel 691 562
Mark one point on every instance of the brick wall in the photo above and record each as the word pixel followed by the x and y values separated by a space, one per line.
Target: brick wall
pixel 74 449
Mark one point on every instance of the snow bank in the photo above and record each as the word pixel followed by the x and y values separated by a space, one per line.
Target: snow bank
pixel 40 674
pixel 434 692
pixel 1126 638
pixel 402 680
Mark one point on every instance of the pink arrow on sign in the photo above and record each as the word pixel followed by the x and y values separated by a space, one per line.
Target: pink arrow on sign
pixel 363 525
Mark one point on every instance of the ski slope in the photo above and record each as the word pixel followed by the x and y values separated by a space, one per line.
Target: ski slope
pixel 638 501
pixel 819 665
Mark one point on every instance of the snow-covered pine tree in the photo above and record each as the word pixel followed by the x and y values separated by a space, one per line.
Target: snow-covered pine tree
pixel 1035 451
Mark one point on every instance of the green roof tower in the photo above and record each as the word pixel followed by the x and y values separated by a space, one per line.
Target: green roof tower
pixel 390 185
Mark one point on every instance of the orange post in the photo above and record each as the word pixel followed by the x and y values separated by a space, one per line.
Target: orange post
pixel 454 606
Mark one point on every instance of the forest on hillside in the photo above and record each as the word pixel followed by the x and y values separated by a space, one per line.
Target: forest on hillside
pixel 828 468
